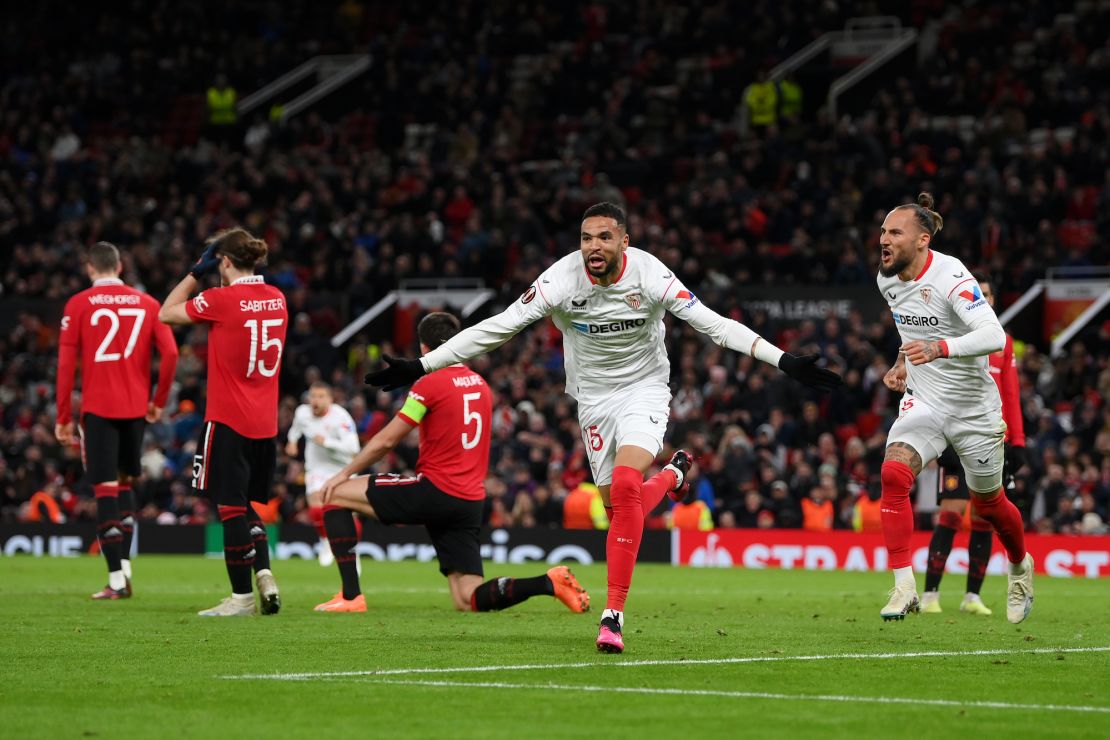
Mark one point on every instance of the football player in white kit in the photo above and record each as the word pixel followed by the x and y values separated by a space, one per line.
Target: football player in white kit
pixel 947 329
pixel 330 443
pixel 608 300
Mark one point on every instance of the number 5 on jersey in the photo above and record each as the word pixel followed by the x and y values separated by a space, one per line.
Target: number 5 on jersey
pixel 469 443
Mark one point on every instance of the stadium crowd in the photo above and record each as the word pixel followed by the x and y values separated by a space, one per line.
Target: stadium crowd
pixel 473 148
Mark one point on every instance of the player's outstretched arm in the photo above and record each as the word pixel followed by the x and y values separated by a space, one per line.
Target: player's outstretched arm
pixel 398 372
pixel 738 337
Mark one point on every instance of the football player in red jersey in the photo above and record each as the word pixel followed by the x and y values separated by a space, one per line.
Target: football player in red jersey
pixel 111 328
pixel 954 496
pixel 452 409
pixel 247 322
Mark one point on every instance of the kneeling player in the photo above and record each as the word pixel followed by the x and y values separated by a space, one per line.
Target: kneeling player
pixel 452 408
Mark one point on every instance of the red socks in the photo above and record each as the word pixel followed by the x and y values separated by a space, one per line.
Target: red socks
pixel 316 515
pixel 896 512
pixel 655 488
pixel 1006 520
pixel 623 543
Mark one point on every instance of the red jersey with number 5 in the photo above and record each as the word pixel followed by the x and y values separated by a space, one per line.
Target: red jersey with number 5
pixel 247 336
pixel 112 328
pixel 453 409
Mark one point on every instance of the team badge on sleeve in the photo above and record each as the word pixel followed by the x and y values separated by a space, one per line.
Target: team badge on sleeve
pixel 200 303
pixel 528 295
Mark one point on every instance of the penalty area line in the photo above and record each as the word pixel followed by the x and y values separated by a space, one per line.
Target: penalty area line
pixel 843 699
pixel 309 676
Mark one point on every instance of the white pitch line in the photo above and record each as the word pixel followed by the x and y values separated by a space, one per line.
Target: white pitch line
pixel 749 695
pixel 633 663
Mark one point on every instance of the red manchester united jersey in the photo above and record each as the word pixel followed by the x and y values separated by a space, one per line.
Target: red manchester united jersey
pixel 1004 372
pixel 452 406
pixel 248 322
pixel 112 328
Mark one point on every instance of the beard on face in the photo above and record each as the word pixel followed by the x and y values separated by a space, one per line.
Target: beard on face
pixel 896 266
pixel 610 266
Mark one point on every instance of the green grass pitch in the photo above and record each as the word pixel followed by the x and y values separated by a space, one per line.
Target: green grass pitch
pixel 710 653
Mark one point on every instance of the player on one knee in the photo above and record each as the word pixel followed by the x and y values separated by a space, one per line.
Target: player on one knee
pixel 452 409
pixel 608 299
pixel 237 451
pixel 947 329
pixel 111 329
pixel 330 442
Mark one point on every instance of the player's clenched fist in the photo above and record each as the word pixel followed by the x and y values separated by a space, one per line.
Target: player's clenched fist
pixel 895 378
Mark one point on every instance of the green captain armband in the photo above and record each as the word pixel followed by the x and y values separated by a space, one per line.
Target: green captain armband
pixel 414 409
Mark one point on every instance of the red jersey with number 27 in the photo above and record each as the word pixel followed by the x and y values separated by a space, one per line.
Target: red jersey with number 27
pixel 111 328
pixel 248 320
pixel 453 409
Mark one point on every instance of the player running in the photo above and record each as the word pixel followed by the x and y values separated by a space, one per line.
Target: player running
pixel 947 328
pixel 608 300
pixel 237 453
pixel 953 493
pixel 111 328
pixel 452 408
pixel 330 443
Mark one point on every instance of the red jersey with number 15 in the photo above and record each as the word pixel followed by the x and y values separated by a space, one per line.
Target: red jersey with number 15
pixel 453 409
pixel 247 336
pixel 111 328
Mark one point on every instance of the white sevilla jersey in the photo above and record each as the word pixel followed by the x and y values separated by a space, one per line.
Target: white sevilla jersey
pixel 944 302
pixel 612 336
pixel 340 439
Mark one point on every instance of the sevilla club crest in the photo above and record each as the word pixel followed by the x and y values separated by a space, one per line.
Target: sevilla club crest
pixel 633 300
pixel 926 294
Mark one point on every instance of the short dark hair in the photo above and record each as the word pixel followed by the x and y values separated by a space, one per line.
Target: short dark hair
pixel 436 328
pixel 104 257
pixel 607 210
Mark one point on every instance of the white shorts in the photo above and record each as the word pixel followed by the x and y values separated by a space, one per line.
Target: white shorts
pixel 976 438
pixel 636 415
pixel 315 480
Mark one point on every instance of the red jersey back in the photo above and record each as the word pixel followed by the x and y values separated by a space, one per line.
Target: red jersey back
pixel 1003 369
pixel 453 409
pixel 112 329
pixel 247 336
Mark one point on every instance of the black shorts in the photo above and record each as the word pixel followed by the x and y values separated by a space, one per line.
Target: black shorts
pixel 951 481
pixel 454 524
pixel 232 469
pixel 110 447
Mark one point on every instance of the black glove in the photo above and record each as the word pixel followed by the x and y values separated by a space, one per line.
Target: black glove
pixel 207 263
pixel 1015 459
pixel 804 370
pixel 397 373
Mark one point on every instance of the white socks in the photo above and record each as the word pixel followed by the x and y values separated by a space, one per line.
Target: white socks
pixel 116 580
pixel 126 565
pixel 614 614
pixel 903 578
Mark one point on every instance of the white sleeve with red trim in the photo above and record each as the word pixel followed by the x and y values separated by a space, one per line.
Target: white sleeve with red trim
pixel 986 334
pixel 726 332
pixel 535 303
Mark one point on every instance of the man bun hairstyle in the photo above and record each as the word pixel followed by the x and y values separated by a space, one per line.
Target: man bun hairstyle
pixel 244 249
pixel 104 257
pixel 929 220
pixel 606 209
pixel 436 328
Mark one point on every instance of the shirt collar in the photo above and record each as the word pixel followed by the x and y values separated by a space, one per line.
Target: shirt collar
pixel 106 281
pixel 248 279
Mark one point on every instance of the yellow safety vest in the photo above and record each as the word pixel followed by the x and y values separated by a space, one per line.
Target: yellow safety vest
pixel 221 106
pixel 762 99
pixel 791 95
